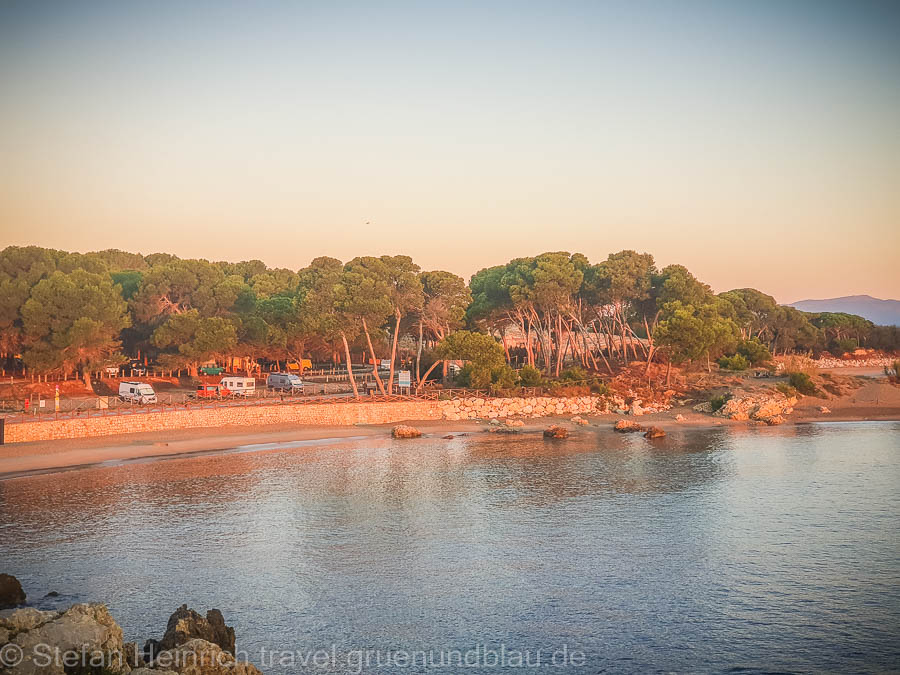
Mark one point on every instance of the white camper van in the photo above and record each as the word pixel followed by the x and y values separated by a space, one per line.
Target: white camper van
pixel 284 382
pixel 239 386
pixel 137 392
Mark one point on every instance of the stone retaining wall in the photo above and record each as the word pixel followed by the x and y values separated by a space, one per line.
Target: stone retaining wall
pixel 491 408
pixel 332 414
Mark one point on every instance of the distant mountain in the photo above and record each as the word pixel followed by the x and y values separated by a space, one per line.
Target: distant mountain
pixel 881 312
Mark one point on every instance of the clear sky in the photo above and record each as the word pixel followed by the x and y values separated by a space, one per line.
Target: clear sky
pixel 757 143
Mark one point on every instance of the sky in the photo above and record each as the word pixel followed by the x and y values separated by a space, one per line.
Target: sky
pixel 757 143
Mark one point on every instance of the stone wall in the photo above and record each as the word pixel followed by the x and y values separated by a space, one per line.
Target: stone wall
pixel 491 408
pixel 332 414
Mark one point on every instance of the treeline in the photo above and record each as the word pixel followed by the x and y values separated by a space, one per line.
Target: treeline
pixel 76 313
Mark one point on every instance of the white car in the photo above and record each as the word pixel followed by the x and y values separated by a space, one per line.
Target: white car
pixel 284 382
pixel 137 392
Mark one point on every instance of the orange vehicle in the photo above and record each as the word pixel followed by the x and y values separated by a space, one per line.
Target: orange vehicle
pixel 211 391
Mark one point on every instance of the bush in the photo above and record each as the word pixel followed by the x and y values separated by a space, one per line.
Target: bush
pixel 800 364
pixel 786 389
pixel 716 402
pixel 573 374
pixel 504 377
pixel 529 376
pixel 845 345
pixel 803 383
pixel 734 362
pixel 754 351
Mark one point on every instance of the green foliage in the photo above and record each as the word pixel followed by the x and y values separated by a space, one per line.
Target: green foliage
pixel 803 383
pixel 716 402
pixel 191 339
pixel 786 389
pixel 734 362
pixel 692 332
pixel 73 321
pixel 529 376
pixel 504 377
pixel 844 345
pixel 482 352
pixel 754 351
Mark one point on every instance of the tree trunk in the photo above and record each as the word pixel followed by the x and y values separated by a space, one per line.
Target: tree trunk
pixel 668 371
pixel 425 376
pixel 374 359
pixel 419 354
pixel 349 365
pixel 394 351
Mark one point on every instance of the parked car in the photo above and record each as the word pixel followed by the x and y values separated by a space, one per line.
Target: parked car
pixel 284 382
pixel 211 391
pixel 137 392
pixel 239 386
pixel 211 370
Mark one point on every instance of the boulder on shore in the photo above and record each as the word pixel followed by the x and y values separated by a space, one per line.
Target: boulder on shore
pixel 85 632
pixel 655 432
pixel 186 624
pixel 198 657
pixel 405 431
pixel 556 431
pixel 580 421
pixel 11 593
pixel 627 426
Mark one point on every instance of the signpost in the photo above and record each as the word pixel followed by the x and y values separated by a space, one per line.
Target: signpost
pixel 404 379
pixel 57 398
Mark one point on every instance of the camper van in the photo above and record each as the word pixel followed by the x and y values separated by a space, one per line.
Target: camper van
pixel 239 386
pixel 284 382
pixel 137 392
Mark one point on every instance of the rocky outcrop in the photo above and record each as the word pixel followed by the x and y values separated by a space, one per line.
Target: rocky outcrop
pixel 197 657
pixel 84 635
pixel 761 407
pixel 579 421
pixel 627 426
pixel 85 640
pixel 11 593
pixel 405 431
pixel 556 431
pixel 185 625
pixel 655 432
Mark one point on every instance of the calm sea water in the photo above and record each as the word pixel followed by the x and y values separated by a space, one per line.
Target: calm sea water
pixel 712 550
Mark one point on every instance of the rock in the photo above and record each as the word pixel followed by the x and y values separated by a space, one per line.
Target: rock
pixel 774 420
pixel 680 418
pixel 186 624
pixel 515 423
pixel 703 407
pixel 24 619
pixel 556 431
pixel 494 421
pixel 627 426
pixel 579 420
pixel 52 594
pixel 404 431
pixel 198 657
pixel 11 593
pixel 824 410
pixel 84 632
pixel 447 437
pixel 655 432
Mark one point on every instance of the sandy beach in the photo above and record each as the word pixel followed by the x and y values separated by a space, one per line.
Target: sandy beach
pixel 875 400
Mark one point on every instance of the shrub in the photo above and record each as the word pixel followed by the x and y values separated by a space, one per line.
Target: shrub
pixel 529 376
pixel 734 362
pixel 716 402
pixel 800 364
pixel 845 345
pixel 573 374
pixel 504 377
pixel 803 383
pixel 754 351
pixel 786 389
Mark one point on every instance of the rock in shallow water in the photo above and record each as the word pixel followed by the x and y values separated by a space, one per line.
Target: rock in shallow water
pixel 556 431
pixel 405 431
pixel 655 432
pixel 11 593
pixel 627 426
pixel 186 624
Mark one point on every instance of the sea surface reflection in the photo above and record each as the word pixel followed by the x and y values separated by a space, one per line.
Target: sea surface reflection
pixel 712 550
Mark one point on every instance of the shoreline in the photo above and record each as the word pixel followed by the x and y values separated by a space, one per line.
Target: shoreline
pixel 41 457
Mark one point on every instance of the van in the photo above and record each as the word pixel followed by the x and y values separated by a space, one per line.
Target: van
pixel 284 382
pixel 239 386
pixel 137 392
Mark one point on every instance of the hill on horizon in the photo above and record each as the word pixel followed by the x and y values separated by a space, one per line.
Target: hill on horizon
pixel 881 312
